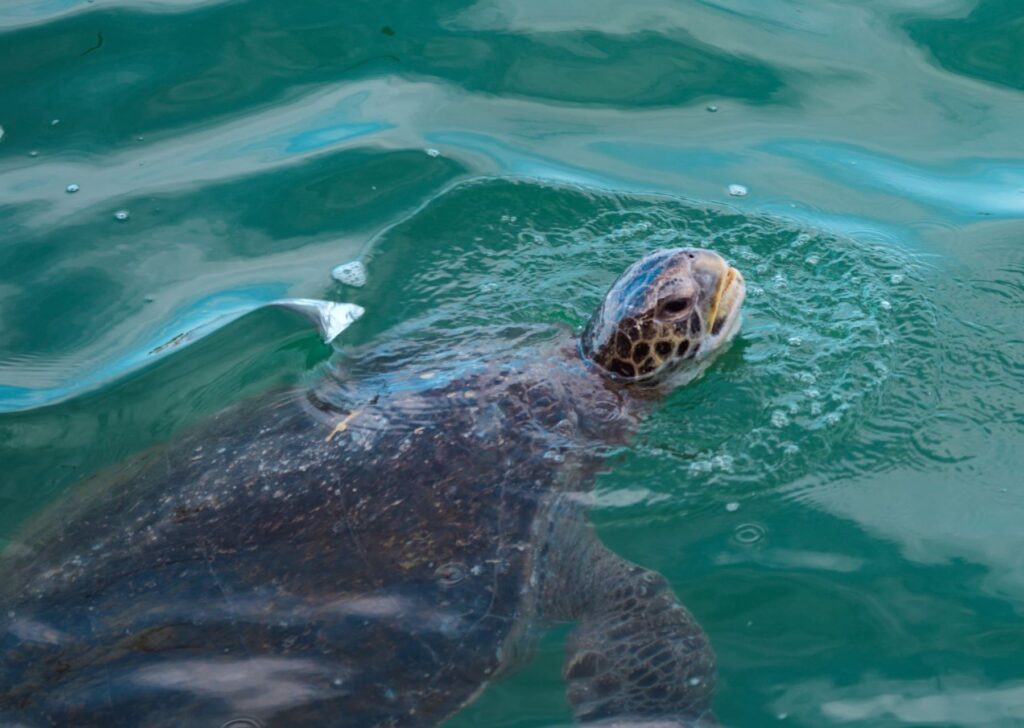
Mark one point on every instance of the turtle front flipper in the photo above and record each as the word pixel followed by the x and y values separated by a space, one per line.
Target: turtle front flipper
pixel 637 657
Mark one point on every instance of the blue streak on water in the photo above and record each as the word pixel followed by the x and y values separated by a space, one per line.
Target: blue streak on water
pixel 667 157
pixel 516 160
pixel 191 323
pixel 961 191
pixel 326 136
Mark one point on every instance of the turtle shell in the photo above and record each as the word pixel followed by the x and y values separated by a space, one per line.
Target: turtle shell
pixel 336 557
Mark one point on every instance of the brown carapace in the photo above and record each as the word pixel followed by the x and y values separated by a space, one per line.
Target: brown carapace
pixel 670 307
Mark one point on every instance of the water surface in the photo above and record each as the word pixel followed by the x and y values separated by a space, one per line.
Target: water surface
pixel 838 500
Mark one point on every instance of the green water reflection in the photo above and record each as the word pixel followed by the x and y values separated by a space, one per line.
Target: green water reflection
pixel 838 500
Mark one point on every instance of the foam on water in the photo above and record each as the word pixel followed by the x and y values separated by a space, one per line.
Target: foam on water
pixel 815 363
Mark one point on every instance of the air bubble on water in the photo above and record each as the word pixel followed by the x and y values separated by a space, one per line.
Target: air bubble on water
pixel 433 152
pixel 71 188
pixel 712 108
pixel 732 506
pixel 33 153
pixel 694 681
pixel 795 341
pixel 722 462
pixel 806 377
pixel 352 273
pixel 782 716
pixel 700 466
pixel 55 122
pixel 121 215
pixel 780 418
pixel 755 291
pixel 738 190
pixel 509 218
pixel 748 533
pixel 885 305
pixel 148 299
pixel 1 132
pixel 812 260
pixel 832 418
pixel 896 278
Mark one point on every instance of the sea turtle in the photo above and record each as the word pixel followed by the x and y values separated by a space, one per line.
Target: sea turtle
pixel 373 550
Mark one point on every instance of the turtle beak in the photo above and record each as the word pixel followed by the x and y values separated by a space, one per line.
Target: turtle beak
pixel 727 300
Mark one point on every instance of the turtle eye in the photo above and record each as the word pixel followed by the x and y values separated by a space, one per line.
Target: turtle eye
pixel 675 306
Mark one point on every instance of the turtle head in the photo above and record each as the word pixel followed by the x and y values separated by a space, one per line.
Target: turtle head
pixel 668 312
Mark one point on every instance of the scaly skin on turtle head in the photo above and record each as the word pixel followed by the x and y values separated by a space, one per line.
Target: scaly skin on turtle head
pixel 668 312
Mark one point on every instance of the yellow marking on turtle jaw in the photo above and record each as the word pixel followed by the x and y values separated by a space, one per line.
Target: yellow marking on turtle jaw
pixel 724 282
pixel 343 425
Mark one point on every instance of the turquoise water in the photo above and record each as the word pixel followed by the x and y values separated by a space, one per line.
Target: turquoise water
pixel 838 499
